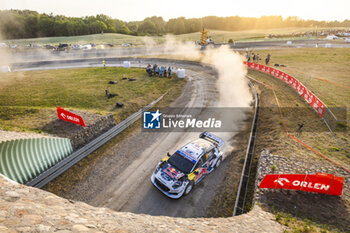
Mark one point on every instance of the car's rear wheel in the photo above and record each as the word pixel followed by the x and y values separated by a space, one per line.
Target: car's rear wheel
pixel 218 163
pixel 189 188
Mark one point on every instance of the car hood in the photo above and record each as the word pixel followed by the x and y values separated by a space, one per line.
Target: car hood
pixel 169 173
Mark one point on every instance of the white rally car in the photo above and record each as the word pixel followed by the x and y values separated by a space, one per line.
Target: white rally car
pixel 176 174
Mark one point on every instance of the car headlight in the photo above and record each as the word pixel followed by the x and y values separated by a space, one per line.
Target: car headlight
pixel 159 166
pixel 177 184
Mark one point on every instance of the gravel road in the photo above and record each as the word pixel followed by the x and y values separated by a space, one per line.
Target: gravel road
pixel 121 180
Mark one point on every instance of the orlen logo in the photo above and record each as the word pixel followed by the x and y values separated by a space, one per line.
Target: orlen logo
pixel 69 117
pixel 305 184
pixel 298 183
pixel 281 180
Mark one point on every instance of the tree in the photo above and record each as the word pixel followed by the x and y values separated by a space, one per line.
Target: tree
pixel 124 30
pixel 147 27
pixel 25 24
pixel 176 26
pixel 45 25
pixel 98 27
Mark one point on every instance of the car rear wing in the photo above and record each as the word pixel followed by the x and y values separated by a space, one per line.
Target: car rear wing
pixel 212 138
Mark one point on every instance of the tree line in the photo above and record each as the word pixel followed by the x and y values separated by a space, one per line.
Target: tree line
pixel 16 24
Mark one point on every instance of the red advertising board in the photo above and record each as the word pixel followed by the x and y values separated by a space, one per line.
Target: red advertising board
pixel 312 99
pixel 70 117
pixel 319 183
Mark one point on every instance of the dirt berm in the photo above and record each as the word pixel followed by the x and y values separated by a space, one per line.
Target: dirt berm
pixel 25 209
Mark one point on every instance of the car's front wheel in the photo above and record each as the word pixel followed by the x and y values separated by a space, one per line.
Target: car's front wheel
pixel 189 188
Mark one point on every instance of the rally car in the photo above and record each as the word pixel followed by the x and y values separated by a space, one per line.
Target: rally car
pixel 177 174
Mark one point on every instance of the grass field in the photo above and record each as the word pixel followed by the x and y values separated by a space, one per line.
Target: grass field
pixel 27 98
pixel 119 39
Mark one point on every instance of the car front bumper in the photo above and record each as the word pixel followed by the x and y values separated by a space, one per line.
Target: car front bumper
pixel 172 193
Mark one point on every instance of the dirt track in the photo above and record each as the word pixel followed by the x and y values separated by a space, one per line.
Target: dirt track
pixel 46 55
pixel 121 180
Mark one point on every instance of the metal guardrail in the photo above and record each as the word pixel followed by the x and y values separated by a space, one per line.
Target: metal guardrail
pixel 243 184
pixel 59 168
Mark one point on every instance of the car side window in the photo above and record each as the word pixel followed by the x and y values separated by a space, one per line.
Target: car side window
pixel 199 164
pixel 210 155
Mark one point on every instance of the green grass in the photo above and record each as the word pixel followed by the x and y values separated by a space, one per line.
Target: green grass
pixel 119 39
pixel 26 98
pixel 300 225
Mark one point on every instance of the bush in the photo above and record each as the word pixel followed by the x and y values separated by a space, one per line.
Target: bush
pixel 273 167
pixel 230 41
pixel 278 217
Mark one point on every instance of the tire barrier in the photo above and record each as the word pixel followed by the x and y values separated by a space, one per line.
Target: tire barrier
pixel 23 159
pixel 322 110
pixel 244 181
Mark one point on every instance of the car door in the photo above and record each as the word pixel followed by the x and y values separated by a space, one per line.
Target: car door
pixel 202 169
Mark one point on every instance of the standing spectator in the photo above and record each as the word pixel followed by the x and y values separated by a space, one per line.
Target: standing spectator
pixel 257 58
pixel 267 60
pixel 154 69
pixel 169 72
pixel 104 64
pixel 161 71
pixel 165 72
pixel 149 70
pixel 254 57
pixel 246 56
pixel 299 130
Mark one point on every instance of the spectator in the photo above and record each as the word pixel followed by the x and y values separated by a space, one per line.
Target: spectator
pixel 170 72
pixel 299 130
pixel 164 72
pixel 267 60
pixel 154 69
pixel 254 57
pixel 104 64
pixel 149 70
pixel 161 71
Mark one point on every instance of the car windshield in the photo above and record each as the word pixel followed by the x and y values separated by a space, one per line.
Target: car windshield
pixel 181 163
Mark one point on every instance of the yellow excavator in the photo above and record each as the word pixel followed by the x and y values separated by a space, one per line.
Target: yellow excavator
pixel 204 38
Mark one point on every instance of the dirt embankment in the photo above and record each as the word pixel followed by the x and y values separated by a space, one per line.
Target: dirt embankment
pixel 301 210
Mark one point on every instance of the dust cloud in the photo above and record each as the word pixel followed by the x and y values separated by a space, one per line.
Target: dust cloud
pixel 232 84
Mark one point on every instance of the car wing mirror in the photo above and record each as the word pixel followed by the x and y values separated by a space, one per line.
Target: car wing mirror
pixel 196 172
pixel 168 154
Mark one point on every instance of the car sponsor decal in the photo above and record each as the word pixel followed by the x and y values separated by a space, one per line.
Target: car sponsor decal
pixel 202 171
pixel 192 176
pixel 171 172
pixel 165 159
